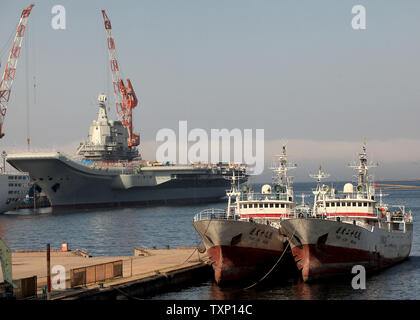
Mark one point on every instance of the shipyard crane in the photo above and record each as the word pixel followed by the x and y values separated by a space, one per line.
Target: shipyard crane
pixel 125 97
pixel 10 69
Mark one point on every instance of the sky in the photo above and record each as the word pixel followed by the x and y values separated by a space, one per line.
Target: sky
pixel 296 69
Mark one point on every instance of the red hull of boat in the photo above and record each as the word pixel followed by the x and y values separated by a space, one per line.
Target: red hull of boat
pixel 241 264
pixel 316 262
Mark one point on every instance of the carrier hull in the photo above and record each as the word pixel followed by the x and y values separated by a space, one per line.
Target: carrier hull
pixel 69 184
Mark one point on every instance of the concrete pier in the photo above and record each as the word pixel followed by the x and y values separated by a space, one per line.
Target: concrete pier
pixel 147 272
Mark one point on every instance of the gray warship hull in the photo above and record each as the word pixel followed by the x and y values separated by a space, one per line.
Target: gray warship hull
pixel 71 184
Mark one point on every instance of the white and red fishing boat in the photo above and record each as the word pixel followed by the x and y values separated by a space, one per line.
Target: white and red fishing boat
pixel 243 241
pixel 348 229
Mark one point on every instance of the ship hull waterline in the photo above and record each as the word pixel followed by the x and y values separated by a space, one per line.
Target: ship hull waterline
pixel 242 253
pixel 323 249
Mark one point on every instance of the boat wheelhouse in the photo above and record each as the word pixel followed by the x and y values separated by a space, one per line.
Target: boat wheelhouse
pixel 275 202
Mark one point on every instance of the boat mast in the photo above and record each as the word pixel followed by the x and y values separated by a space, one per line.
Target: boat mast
pixel 362 172
pixel 281 178
pixel 320 187
pixel 234 190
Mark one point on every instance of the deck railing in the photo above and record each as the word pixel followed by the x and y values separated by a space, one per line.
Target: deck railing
pixel 252 196
pixel 209 214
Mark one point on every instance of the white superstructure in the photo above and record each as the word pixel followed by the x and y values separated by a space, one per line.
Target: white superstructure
pixel 13 188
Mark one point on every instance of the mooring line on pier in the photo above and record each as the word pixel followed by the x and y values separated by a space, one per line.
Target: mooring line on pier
pixel 274 266
pixel 196 247
pixel 127 295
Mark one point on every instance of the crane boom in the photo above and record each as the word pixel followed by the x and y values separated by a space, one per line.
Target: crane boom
pixel 10 69
pixel 125 97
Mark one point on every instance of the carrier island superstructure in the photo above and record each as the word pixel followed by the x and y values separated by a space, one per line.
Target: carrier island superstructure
pixel 111 173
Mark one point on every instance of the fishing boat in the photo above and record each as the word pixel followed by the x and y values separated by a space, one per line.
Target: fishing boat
pixel 349 228
pixel 243 241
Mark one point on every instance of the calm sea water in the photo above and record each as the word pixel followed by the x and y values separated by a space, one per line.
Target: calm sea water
pixel 119 231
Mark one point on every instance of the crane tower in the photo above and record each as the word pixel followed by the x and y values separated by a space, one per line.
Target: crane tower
pixel 10 69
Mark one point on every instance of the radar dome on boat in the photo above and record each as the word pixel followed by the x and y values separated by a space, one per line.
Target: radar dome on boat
pixel 348 188
pixel 266 189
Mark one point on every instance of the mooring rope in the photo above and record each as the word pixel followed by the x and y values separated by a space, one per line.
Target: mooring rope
pixel 127 295
pixel 196 248
pixel 274 266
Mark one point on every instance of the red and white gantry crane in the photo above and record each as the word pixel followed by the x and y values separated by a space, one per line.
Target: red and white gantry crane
pixel 10 69
pixel 125 97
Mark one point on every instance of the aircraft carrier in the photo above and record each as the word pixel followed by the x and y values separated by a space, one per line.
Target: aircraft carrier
pixel 110 173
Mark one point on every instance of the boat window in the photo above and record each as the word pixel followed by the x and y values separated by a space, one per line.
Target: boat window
pixel 255 205
pixel 282 205
pixel 327 204
pixel 260 205
pixel 359 204
pixel 271 205
pixel 348 204
pixel 365 204
pixel 11 177
pixel 265 205
pixel 332 204
pixel 277 205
